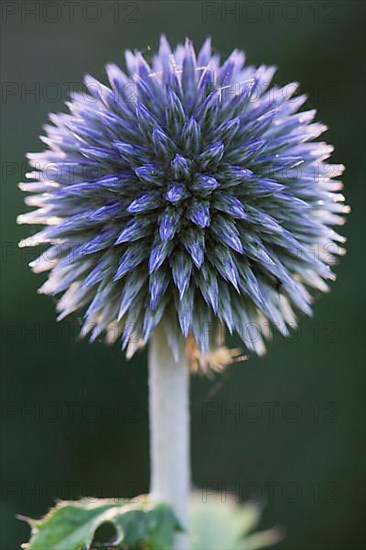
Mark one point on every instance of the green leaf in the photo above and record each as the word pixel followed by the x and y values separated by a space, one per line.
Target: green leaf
pixel 71 525
pixel 217 524
pixel 155 527
pixel 221 524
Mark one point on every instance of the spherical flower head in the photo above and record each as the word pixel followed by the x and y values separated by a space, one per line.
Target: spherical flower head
pixel 187 194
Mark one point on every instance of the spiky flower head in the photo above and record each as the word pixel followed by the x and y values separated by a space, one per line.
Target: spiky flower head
pixel 187 193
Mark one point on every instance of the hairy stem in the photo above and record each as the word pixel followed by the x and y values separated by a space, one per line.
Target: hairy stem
pixel 169 430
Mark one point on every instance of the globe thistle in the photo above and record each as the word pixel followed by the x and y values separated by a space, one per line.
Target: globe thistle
pixel 187 194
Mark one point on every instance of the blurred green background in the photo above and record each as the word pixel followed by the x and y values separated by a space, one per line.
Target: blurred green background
pixel 74 416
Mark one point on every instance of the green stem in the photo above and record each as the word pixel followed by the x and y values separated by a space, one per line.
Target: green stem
pixel 169 430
